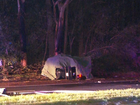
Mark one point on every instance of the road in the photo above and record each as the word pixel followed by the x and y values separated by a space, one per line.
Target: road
pixel 74 87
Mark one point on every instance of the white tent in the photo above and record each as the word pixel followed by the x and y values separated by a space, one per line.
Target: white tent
pixel 82 65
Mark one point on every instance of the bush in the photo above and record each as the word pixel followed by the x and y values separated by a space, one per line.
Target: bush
pixel 107 65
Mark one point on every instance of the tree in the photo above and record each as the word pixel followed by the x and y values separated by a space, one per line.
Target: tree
pixel 60 6
pixel 50 38
pixel 21 12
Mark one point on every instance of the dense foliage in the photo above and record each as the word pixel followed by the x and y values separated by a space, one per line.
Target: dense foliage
pixel 107 30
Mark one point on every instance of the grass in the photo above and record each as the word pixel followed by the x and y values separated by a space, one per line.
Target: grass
pixel 106 97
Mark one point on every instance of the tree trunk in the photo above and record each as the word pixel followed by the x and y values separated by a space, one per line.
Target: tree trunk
pixel 81 46
pixel 50 35
pixel 21 11
pixel 60 33
pixel 66 30
pixel 81 37
pixel 59 45
pixel 4 70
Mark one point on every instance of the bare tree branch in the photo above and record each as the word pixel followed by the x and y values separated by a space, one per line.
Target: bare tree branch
pixel 72 41
pixel 93 27
pixel 54 10
pixel 18 6
pixel 65 4
pixel 55 3
pixel 97 49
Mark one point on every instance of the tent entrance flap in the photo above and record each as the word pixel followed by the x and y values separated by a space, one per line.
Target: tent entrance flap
pixel 60 73
pixel 66 73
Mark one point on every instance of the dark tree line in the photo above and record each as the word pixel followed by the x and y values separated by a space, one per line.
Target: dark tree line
pixel 97 28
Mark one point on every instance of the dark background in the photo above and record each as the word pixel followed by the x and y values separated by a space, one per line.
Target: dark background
pixel 106 30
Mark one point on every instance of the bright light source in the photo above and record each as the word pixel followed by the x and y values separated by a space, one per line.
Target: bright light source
pixel 73 74
pixel 0 62
pixel 2 90
pixel 67 74
pixel 80 75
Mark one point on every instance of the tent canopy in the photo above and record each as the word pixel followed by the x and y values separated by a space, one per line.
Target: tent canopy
pixel 82 65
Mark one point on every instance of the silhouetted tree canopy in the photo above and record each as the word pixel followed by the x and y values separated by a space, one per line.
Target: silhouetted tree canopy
pixel 97 28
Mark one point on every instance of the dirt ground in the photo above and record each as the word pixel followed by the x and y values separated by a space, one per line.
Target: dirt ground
pixel 34 79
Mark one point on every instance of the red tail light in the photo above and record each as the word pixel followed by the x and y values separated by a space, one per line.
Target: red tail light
pixel 80 75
